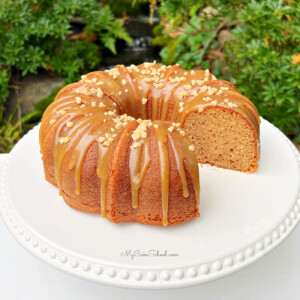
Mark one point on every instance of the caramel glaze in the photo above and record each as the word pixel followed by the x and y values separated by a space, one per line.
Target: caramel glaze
pixel 94 111
pixel 138 164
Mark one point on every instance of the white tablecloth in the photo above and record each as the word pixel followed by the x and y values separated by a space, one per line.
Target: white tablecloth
pixel 22 276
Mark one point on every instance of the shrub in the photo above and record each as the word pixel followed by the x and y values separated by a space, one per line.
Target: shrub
pixel 39 34
pixel 256 44
pixel 261 60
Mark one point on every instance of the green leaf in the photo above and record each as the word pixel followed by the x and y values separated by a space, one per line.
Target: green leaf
pixel 109 42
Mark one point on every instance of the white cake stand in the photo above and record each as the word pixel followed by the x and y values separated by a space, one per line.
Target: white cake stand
pixel 243 217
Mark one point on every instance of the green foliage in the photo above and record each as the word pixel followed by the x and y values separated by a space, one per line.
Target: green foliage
pixel 9 134
pixel 189 36
pixel 104 23
pixel 9 131
pixel 37 34
pixel 250 42
pixel 180 9
pixel 72 57
pixel 260 59
pixel 122 7
pixel 4 79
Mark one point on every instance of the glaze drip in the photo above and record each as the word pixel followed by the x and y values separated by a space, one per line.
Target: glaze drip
pixel 183 158
pixel 164 168
pixel 103 167
pixel 138 164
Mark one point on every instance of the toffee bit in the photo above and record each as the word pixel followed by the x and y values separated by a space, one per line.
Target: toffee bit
pixel 192 148
pixel 187 87
pixel 78 100
pixel 171 128
pixel 64 140
pixel 99 93
pixel 101 139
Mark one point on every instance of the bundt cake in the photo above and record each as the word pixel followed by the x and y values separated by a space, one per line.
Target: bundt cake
pixel 126 142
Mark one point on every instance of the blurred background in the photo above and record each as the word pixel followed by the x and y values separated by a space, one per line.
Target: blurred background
pixel 46 44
